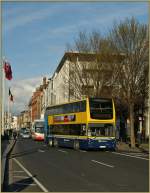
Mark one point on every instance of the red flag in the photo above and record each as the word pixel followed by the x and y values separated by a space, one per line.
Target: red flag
pixel 10 95
pixel 8 71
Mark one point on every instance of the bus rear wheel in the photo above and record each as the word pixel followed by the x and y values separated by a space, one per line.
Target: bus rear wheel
pixel 76 145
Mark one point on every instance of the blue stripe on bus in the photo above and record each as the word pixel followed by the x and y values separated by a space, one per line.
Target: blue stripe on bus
pixel 85 144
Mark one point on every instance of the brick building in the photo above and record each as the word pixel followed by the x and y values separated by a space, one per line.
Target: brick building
pixel 36 102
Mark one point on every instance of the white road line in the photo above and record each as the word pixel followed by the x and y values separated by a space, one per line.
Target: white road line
pixel 62 151
pixel 24 177
pixel 41 150
pixel 17 171
pixel 35 180
pixel 82 151
pixel 102 163
pixel 130 155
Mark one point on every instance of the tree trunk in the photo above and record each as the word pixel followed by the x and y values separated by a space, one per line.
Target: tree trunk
pixel 131 113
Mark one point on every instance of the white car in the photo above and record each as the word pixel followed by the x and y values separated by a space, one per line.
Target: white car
pixel 26 134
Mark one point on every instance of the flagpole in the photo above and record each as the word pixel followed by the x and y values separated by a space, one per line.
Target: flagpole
pixel 2 98
pixel 1 87
pixel 8 111
pixel 6 72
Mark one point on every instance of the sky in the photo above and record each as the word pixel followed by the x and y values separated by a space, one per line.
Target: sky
pixel 35 36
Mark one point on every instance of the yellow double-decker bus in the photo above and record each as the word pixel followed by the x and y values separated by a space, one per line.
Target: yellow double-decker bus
pixel 83 124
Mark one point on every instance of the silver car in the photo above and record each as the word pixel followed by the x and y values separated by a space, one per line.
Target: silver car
pixel 26 134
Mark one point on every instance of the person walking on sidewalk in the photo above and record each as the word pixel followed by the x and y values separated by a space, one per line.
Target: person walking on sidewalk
pixel 15 134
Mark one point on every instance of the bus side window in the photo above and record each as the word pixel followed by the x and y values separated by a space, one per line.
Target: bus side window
pixel 83 106
pixel 83 130
pixel 93 132
pixel 103 131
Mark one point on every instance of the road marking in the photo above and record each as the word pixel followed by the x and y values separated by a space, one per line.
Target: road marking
pixel 103 163
pixel 129 155
pixel 82 151
pixel 21 177
pixel 17 171
pixel 40 150
pixel 29 174
pixel 62 151
pixel 138 154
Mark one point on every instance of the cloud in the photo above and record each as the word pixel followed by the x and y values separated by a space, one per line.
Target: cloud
pixel 28 17
pixel 97 17
pixel 22 91
pixel 20 17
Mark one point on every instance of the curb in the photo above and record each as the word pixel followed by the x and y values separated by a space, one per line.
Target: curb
pixel 4 161
pixel 144 150
pixel 138 150
pixel 129 151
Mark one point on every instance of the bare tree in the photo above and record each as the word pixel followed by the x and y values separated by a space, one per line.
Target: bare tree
pixel 80 83
pixel 131 39
pixel 91 75
pixel 120 64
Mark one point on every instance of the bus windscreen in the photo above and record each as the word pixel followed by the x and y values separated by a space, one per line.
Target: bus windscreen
pixel 101 108
pixel 39 127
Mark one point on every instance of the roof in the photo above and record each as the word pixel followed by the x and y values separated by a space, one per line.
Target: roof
pixel 72 56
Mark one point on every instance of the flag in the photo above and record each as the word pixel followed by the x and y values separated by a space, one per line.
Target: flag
pixel 8 71
pixel 10 96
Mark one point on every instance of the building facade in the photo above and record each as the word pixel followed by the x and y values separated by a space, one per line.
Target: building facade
pixel 66 83
pixel 23 120
pixel 38 101
pixel 74 78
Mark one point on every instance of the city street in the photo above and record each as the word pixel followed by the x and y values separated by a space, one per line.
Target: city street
pixel 35 167
pixel 75 75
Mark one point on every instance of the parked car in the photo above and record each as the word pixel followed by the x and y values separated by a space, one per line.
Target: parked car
pixel 22 131
pixel 26 134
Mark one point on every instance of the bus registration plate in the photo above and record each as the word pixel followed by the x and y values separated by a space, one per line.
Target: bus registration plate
pixel 102 146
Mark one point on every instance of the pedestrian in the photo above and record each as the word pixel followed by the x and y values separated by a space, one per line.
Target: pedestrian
pixel 139 137
pixel 15 135
pixel 10 133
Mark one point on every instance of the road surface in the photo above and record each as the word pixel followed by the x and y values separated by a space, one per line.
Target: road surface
pixel 36 167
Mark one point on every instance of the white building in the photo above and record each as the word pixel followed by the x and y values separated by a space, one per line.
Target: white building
pixel 59 87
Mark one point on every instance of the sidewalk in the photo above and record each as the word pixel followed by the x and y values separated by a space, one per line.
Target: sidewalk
pixel 144 147
pixel 7 147
pixel 122 146
pixel 4 144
